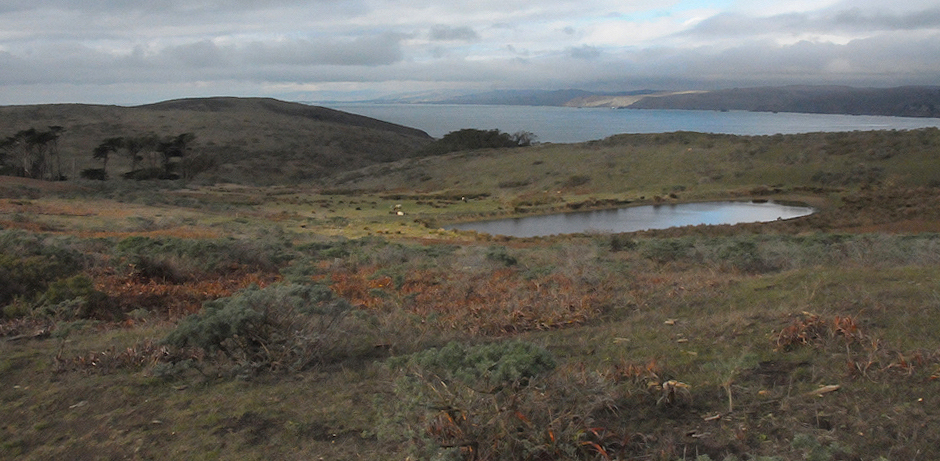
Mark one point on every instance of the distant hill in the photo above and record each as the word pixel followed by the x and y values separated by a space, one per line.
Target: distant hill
pixel 240 140
pixel 519 97
pixel 909 101
pixel 570 97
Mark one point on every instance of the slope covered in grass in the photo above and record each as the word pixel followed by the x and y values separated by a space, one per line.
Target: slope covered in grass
pixel 240 140
pixel 299 322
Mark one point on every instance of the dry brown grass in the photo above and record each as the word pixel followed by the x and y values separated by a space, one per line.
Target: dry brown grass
pixel 173 301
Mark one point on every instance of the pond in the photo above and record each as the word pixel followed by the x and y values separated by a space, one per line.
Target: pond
pixel 638 218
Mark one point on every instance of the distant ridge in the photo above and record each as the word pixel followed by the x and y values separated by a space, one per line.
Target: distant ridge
pixel 519 97
pixel 905 101
pixel 908 101
pixel 535 97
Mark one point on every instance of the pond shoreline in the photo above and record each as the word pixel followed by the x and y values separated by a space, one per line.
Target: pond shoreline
pixel 644 212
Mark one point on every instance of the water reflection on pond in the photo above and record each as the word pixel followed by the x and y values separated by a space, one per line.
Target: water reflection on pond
pixel 638 218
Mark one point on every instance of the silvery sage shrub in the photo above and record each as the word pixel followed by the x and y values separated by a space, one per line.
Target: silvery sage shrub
pixel 287 327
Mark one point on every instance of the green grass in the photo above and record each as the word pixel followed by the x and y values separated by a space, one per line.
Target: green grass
pixel 260 141
pixel 700 165
pixel 748 321
pixel 708 326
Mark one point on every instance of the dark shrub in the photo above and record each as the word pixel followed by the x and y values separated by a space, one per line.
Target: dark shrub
pixel 470 138
pixel 667 250
pixel 29 262
pixel 74 298
pixel 97 174
pixel 176 260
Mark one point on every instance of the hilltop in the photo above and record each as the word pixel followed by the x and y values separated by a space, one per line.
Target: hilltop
pixel 241 140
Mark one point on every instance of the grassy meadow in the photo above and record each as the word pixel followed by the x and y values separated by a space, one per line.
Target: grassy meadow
pixel 209 319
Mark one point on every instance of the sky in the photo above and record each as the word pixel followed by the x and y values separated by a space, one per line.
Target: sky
pixel 142 51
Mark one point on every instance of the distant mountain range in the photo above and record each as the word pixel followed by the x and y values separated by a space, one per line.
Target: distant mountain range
pixel 907 101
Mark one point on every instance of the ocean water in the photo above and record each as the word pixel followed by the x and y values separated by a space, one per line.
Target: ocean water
pixel 568 125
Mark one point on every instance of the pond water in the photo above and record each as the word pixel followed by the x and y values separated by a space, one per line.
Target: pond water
pixel 639 218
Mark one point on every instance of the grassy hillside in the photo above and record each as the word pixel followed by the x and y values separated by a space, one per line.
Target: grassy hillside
pixel 656 168
pixel 240 140
pixel 316 321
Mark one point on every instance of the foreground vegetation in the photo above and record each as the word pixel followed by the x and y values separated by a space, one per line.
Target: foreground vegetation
pixel 163 320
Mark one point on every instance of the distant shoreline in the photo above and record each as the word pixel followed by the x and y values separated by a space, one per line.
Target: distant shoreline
pixel 906 101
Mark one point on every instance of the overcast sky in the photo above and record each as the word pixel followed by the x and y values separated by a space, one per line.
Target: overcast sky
pixel 139 51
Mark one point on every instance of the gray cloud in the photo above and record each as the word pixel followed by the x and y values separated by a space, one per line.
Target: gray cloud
pixel 169 6
pixel 362 51
pixel 880 61
pixel 446 33
pixel 201 54
pixel 202 60
pixel 99 48
pixel 584 52
pixel 847 20
pixel 856 19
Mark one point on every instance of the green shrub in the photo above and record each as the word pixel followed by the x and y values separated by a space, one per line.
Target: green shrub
pixel 621 242
pixel 278 328
pixel 667 250
pixel 489 366
pixel 499 255
pixel 73 298
pixel 743 254
pixel 218 322
pixel 29 262
pixel 506 401
pixel 464 402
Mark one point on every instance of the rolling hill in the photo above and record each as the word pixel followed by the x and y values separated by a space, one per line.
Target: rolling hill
pixel 241 140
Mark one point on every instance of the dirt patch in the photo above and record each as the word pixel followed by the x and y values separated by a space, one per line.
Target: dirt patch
pixel 772 373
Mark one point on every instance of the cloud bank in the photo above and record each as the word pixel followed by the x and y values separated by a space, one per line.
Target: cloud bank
pixel 125 52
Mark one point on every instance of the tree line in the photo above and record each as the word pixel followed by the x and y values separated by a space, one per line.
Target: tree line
pixel 150 157
pixel 471 138
pixel 34 153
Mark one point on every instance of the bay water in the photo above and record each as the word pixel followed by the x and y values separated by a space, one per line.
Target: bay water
pixel 570 125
